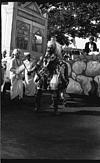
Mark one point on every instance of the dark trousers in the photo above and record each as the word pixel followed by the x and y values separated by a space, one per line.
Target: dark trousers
pixel 38 99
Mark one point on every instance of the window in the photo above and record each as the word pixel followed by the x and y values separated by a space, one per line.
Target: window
pixel 37 42
pixel 22 35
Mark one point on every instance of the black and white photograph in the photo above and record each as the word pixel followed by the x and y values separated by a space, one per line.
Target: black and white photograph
pixel 50 80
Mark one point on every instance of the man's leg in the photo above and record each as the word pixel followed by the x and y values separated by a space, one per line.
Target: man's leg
pixel 38 100
pixel 56 101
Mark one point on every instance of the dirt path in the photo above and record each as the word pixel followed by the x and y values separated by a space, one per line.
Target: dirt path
pixel 27 135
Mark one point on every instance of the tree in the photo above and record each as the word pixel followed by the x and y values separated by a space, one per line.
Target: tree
pixel 72 18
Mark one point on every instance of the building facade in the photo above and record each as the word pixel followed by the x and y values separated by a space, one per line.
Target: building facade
pixel 24 27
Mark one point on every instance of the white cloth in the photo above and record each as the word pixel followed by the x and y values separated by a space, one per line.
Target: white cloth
pixel 54 82
pixel 91 47
pixel 30 86
pixel 16 88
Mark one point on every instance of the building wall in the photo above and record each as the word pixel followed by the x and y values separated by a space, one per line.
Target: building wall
pixel 7 15
pixel 12 13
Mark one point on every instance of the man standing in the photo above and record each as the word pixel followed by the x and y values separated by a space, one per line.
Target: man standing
pixel 5 65
pixel 3 69
pixel 91 45
pixel 16 89
pixel 30 86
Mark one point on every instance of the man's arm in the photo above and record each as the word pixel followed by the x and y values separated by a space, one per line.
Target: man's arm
pixel 86 48
pixel 95 47
pixel 12 67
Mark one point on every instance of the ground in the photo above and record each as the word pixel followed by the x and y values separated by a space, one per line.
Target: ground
pixel 43 135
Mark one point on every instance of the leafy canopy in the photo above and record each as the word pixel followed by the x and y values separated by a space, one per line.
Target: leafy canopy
pixel 72 18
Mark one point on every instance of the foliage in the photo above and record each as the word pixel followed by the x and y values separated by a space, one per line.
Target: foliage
pixel 73 18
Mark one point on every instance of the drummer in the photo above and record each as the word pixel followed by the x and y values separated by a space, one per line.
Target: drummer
pixel 29 63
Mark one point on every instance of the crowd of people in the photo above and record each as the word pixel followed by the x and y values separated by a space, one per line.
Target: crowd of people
pixel 30 77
